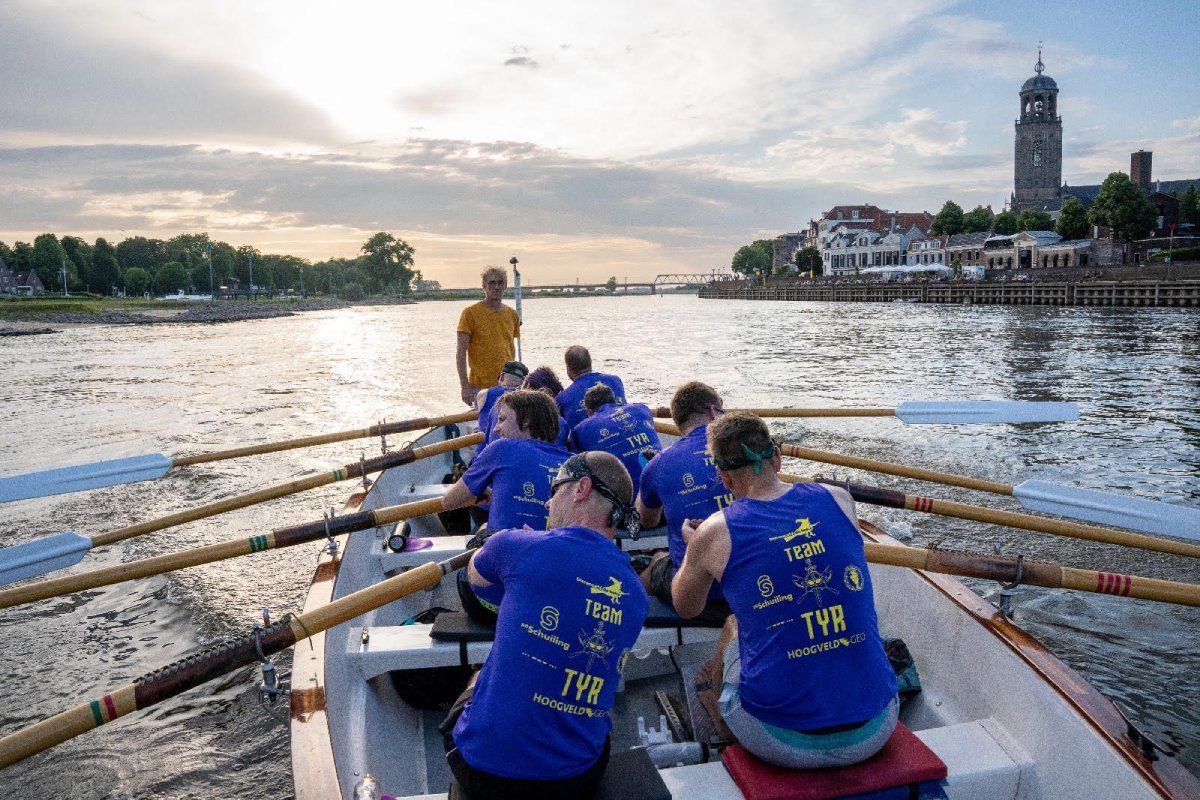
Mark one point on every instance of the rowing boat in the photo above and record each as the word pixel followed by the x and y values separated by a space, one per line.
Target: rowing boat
pixel 1005 715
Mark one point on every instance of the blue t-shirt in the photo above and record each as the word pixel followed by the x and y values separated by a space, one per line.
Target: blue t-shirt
pixel 623 430
pixel 564 434
pixel 487 414
pixel 683 482
pixel 519 472
pixel 573 609
pixel 797 580
pixel 570 399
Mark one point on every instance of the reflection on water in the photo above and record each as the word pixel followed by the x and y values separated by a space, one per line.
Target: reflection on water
pixel 94 393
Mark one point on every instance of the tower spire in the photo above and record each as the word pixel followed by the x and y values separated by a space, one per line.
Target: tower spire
pixel 1039 66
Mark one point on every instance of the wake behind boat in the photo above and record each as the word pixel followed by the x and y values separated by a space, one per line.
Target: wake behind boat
pixel 1006 717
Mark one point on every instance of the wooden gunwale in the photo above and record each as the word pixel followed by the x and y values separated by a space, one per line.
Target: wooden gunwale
pixel 1167 776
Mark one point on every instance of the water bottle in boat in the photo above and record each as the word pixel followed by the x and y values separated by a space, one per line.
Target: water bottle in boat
pixel 367 788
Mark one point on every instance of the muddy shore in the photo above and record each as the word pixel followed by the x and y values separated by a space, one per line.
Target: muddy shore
pixel 16 322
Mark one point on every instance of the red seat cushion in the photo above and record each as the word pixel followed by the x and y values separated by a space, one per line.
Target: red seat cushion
pixel 903 760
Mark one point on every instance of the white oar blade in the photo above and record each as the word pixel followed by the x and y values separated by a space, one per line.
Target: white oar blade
pixel 65 480
pixel 25 560
pixel 950 412
pixel 1110 508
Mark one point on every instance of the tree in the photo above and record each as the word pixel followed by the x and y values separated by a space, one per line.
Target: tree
pixel 949 220
pixel 138 251
pixel 1189 206
pixel 47 261
pixel 1072 219
pixel 1034 219
pixel 106 273
pixel 1005 223
pixel 137 280
pixel 611 285
pixel 387 263
pixel 978 220
pixel 80 253
pixel 808 259
pixel 6 255
pixel 171 278
pixel 754 257
pixel 1123 208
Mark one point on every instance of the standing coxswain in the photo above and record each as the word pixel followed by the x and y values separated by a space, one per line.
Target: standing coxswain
pixel 486 331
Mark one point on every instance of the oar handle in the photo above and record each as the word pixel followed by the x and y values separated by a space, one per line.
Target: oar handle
pixel 890 468
pixel 347 472
pixel 326 438
pixel 219 660
pixel 1035 573
pixel 792 413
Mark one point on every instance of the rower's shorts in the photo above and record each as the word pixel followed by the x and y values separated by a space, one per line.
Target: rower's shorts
pixel 662 572
pixel 796 749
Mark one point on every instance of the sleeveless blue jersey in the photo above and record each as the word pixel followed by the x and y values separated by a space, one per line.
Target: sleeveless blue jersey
pixel 519 472
pixel 797 580
pixel 570 399
pixel 623 430
pixel 683 482
pixel 572 611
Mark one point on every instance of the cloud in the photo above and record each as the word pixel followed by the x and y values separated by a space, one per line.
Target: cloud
pixel 57 78
pixel 521 61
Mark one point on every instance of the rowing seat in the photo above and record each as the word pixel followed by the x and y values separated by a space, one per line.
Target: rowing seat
pixel 904 768
pixel 629 776
pixel 388 648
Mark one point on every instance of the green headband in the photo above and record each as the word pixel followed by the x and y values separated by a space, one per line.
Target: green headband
pixel 751 457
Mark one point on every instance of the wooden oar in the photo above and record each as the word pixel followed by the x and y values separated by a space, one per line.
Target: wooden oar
pixel 943 412
pixel 151 467
pixel 280 537
pixel 1035 573
pixel 62 550
pixel 1093 505
pixel 949 508
pixel 218 660
pixel 889 498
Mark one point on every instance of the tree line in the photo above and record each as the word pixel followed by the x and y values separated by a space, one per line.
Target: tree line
pixel 193 262
pixel 1121 206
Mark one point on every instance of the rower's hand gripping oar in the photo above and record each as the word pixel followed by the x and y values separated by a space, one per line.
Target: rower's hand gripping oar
pixel 62 550
pixel 939 412
pixel 219 660
pixel 99 474
pixel 1093 505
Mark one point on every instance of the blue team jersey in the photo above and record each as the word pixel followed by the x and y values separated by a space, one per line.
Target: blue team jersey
pixel 487 414
pixel 564 434
pixel 797 580
pixel 625 431
pixel 573 609
pixel 519 472
pixel 570 399
pixel 683 482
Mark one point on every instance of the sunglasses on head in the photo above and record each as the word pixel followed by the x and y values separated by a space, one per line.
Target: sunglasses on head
pixel 575 469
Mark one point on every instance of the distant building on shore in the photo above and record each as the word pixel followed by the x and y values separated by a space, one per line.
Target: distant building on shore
pixel 1037 156
pixel 24 284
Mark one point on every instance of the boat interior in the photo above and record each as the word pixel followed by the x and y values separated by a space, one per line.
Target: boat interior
pixel 1006 717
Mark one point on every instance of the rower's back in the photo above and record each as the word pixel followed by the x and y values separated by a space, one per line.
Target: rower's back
pixel 573 609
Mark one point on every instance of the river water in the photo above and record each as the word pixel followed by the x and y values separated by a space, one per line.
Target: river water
pixel 91 393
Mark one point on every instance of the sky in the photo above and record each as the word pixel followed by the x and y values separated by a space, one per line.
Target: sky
pixel 588 138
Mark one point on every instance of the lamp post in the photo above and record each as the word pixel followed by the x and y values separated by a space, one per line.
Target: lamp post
pixel 64 277
pixel 517 295
pixel 302 282
pixel 212 295
pixel 250 258
pixel 1171 245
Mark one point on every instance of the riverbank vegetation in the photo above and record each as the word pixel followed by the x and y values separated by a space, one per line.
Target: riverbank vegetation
pixel 194 263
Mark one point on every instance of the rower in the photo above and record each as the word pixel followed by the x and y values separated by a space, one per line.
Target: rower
pixel 536 721
pixel 804 679
pixel 579 370
pixel 512 375
pixel 544 379
pixel 625 430
pixel 681 483
pixel 516 468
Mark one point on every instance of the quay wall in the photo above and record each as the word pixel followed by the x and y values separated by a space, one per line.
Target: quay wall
pixel 1158 292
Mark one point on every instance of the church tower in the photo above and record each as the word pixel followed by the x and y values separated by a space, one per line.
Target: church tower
pixel 1037 165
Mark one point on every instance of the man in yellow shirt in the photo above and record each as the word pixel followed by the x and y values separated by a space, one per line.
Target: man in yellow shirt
pixel 485 337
